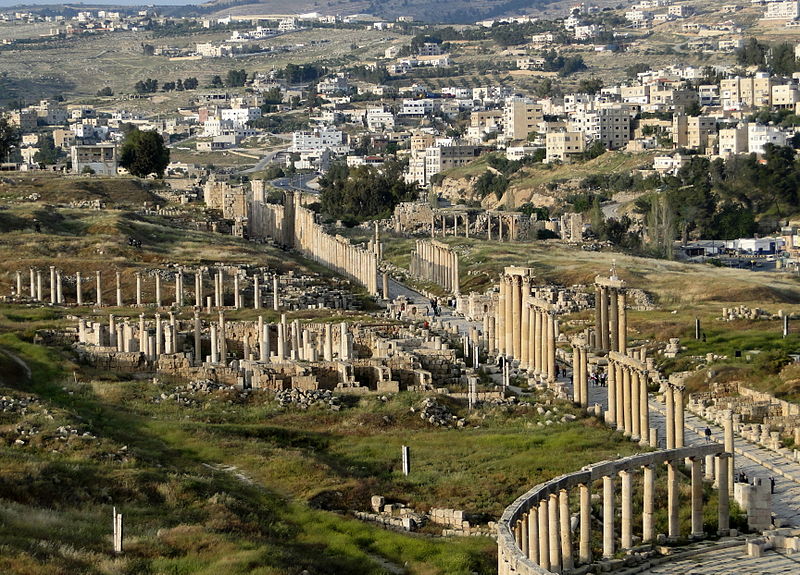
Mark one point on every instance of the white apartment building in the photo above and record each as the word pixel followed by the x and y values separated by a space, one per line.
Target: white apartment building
pixel 782 10
pixel 239 116
pixel 758 136
pixel 318 140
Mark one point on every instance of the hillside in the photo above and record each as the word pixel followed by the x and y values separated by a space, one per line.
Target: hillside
pixel 427 11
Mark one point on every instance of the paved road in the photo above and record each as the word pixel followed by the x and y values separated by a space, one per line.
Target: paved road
pixel 786 501
pixel 299 182
pixel 730 561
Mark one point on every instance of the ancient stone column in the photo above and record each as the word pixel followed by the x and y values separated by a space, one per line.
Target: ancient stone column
pixel 608 517
pixel 99 291
pixel 275 297
pixel 727 424
pixel 281 348
pixel 198 349
pixel 112 331
pixel 158 290
pixel 198 289
pixel 584 365
pixel 544 535
pixel 555 543
pixel 343 348
pixel 179 288
pixel 327 351
pixel 256 292
pixel 500 311
pixel 584 549
pixel 517 316
pixel 644 409
pixel 673 502
pixel 218 295
pixel 525 329
pixel 78 288
pixel 576 375
pixel 214 344
pixel 626 539
pixel 523 535
pixel 620 396
pixel 635 395
pixel 223 344
pixel 33 284
pixel 604 318
pixel 39 294
pixel 385 286
pixel 679 419
pixel 237 304
pixel 139 289
pixel 118 280
pixel 52 284
pixel 648 494
pixel 611 388
pixel 509 317
pixel 537 342
pixel 59 291
pixel 159 336
pixel 533 535
pixel 566 535
pixel 723 494
pixel 669 420
pixel 551 347
pixel 626 401
pixel 613 318
pixel 622 324
pixel 142 334
pixel 697 498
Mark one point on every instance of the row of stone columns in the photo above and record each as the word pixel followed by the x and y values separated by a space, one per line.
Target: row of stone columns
pixel 334 252
pixel 444 227
pixel 628 407
pixel 580 372
pixel 610 314
pixel 292 342
pixel 436 262
pixel 526 326
pixel 539 331
pixel 510 226
pixel 543 533
pixel 57 292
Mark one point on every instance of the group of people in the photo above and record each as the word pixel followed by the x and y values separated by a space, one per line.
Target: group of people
pixel 598 378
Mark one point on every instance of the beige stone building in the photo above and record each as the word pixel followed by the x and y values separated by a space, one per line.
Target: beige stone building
pixel 693 131
pixel 561 146
pixel 520 118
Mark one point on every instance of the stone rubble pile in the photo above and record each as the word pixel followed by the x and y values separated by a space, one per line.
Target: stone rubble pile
pixel 16 404
pixel 438 415
pixel 307 398
pixel 187 395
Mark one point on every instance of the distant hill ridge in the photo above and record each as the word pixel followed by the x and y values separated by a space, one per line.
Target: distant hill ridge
pixel 434 11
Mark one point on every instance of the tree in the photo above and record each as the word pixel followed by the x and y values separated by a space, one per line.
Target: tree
pixel 144 153
pixel 48 153
pixel 148 49
pixel 190 83
pixel 9 138
pixel 107 91
pixel 752 53
pixel 235 78
pixel 216 82
pixel 782 60
pixel 364 192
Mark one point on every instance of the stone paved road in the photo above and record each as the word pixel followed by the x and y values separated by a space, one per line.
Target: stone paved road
pixel 731 561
